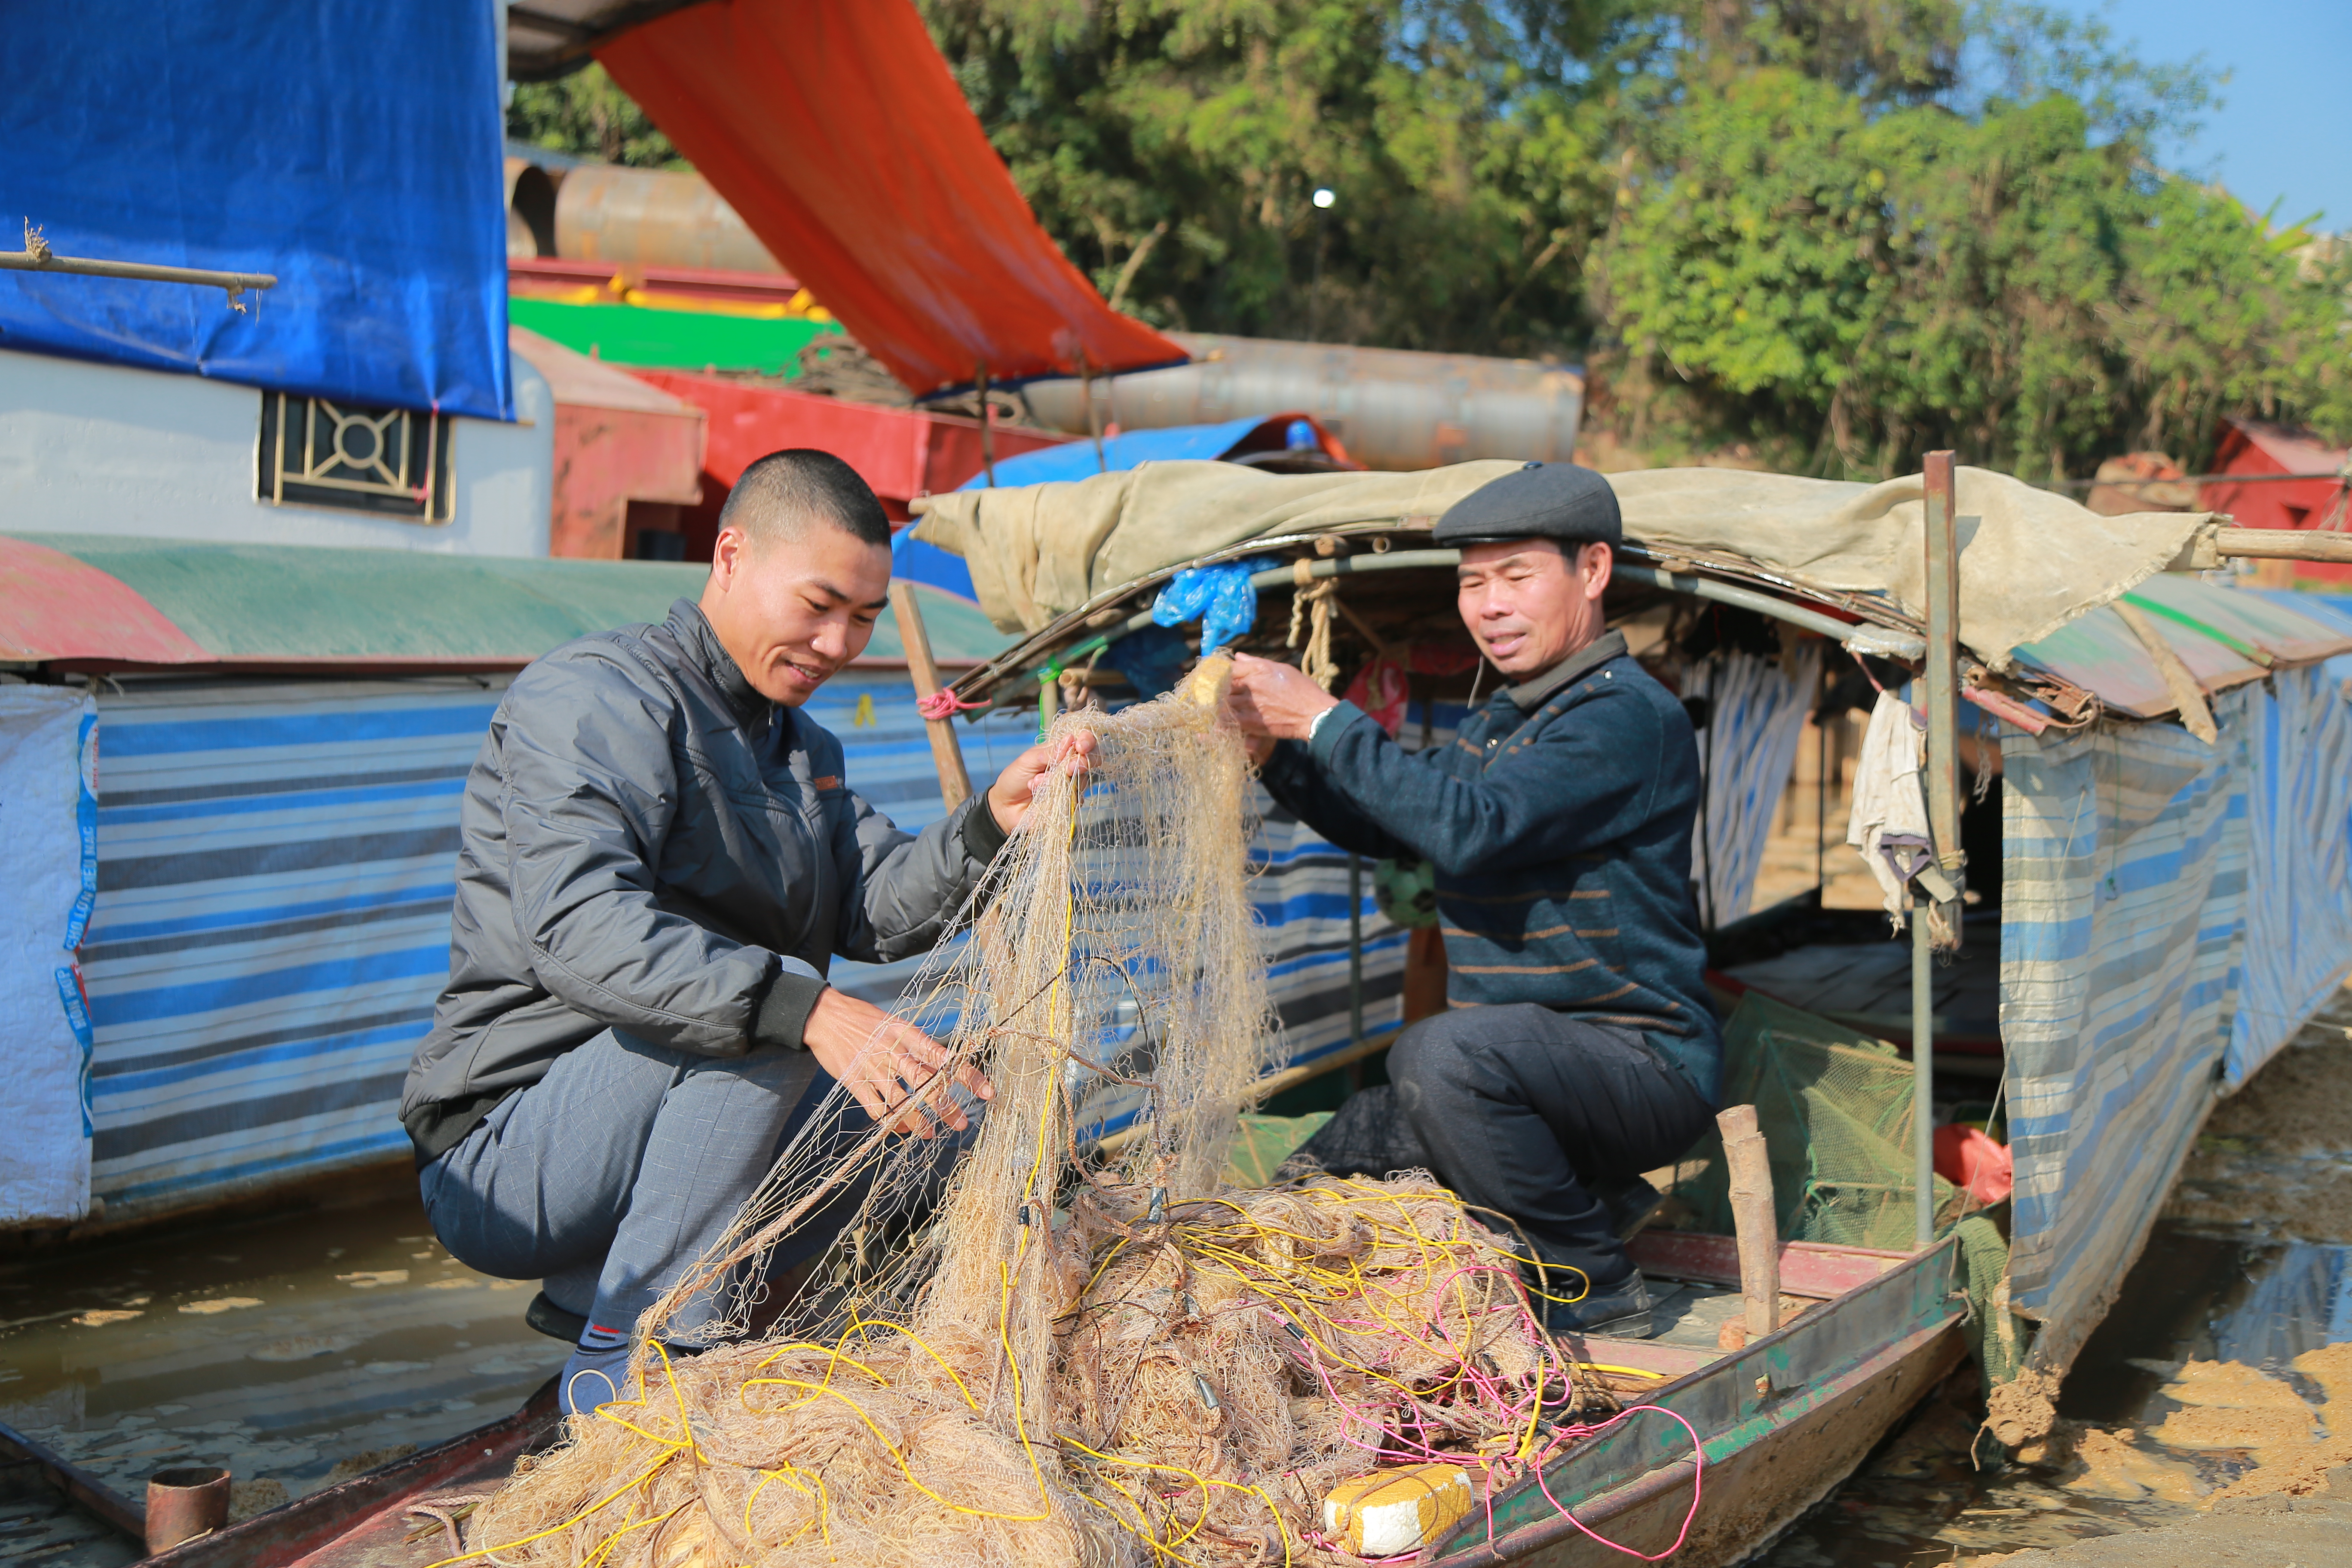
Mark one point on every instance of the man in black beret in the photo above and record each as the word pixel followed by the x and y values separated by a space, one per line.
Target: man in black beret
pixel 1579 1048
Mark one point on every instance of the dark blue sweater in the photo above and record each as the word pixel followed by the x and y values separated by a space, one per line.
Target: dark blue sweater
pixel 1559 825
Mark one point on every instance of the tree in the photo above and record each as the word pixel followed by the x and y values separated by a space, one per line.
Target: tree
pixel 584 115
pixel 1795 223
pixel 1173 147
pixel 1854 287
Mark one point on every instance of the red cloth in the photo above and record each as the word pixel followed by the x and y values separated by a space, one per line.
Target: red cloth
pixel 1968 1159
pixel 1382 689
pixel 834 128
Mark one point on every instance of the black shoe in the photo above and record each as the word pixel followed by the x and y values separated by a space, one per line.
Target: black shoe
pixel 1625 1313
pixel 554 1321
pixel 1631 1204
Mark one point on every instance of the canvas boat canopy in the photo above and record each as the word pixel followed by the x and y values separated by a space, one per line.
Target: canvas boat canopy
pixel 2040 575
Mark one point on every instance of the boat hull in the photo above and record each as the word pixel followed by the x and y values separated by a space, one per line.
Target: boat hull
pixel 1782 1423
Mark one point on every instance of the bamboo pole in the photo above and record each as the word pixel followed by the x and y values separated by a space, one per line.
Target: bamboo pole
pixel 1754 1221
pixel 2283 544
pixel 947 753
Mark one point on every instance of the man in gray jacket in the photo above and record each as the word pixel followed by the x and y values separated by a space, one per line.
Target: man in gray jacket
pixel 659 858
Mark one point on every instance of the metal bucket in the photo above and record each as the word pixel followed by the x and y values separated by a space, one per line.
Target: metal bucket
pixel 184 1503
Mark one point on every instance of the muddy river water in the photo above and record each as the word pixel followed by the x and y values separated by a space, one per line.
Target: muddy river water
pixel 293 1351
pixel 297 1351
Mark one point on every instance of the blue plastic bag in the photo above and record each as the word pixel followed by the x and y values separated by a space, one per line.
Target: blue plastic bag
pixel 1220 597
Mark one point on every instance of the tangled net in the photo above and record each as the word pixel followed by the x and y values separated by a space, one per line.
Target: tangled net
pixel 1067 1358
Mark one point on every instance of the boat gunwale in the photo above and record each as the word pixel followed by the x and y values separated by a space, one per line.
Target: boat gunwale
pixel 1779 1411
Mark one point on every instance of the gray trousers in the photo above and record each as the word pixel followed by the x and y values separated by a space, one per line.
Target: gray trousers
pixel 607 1178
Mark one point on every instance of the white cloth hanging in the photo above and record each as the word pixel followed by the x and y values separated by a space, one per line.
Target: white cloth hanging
pixel 1889 824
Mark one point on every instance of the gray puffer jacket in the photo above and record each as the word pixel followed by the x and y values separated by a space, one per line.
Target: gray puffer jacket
pixel 649 845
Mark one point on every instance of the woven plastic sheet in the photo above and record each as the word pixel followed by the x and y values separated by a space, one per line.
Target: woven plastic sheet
pixel 1835 1110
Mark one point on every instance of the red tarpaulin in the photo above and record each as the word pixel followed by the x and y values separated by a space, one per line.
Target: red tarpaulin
pixel 834 128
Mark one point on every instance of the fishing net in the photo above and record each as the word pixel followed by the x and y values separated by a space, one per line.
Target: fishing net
pixel 1057 1356
pixel 1835 1107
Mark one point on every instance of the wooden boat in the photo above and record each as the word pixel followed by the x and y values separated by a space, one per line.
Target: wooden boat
pixel 1781 1422
pixel 367 1519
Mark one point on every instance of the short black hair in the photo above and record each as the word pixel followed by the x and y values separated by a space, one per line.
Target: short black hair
pixel 777 495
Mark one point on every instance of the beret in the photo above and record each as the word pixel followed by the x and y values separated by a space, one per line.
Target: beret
pixel 1543 501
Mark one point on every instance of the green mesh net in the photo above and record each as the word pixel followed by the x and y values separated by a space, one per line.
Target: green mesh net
pixel 1835 1107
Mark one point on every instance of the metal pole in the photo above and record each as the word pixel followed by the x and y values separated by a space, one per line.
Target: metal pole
pixel 1822 797
pixel 1355 947
pixel 36 256
pixel 1923 1072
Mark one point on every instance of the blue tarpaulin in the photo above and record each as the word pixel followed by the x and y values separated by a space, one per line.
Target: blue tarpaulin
pixel 352 149
pixel 1076 459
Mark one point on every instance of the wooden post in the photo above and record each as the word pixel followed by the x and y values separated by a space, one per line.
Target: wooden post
pixel 947 753
pixel 1943 825
pixel 1943 684
pixel 1754 1221
pixel 987 425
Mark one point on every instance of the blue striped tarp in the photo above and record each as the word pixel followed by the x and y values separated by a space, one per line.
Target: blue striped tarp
pixel 2171 914
pixel 1756 716
pixel 272 925
pixel 2123 899
pixel 2294 736
pixel 275 871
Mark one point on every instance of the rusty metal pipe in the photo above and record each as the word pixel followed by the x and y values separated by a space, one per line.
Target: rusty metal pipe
pixel 1392 408
pixel 185 1503
pixel 652 217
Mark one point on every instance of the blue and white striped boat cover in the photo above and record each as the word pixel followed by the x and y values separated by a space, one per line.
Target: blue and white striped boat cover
pixel 274 870
pixel 2297 738
pixel 275 873
pixel 1756 716
pixel 2171 914
pixel 272 926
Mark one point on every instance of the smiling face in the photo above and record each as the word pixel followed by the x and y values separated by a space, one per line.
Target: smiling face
pixel 1527 604
pixel 793 610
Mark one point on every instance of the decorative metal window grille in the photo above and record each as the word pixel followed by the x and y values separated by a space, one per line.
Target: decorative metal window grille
pixel 389 461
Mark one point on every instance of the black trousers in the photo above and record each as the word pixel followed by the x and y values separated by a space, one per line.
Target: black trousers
pixel 1519 1108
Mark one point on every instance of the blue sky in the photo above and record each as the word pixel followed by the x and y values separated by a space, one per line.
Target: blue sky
pixel 2283 130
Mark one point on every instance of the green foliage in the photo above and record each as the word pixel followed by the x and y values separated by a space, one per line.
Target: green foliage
pixel 584 115
pixel 1173 147
pixel 1792 223
pixel 1860 288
